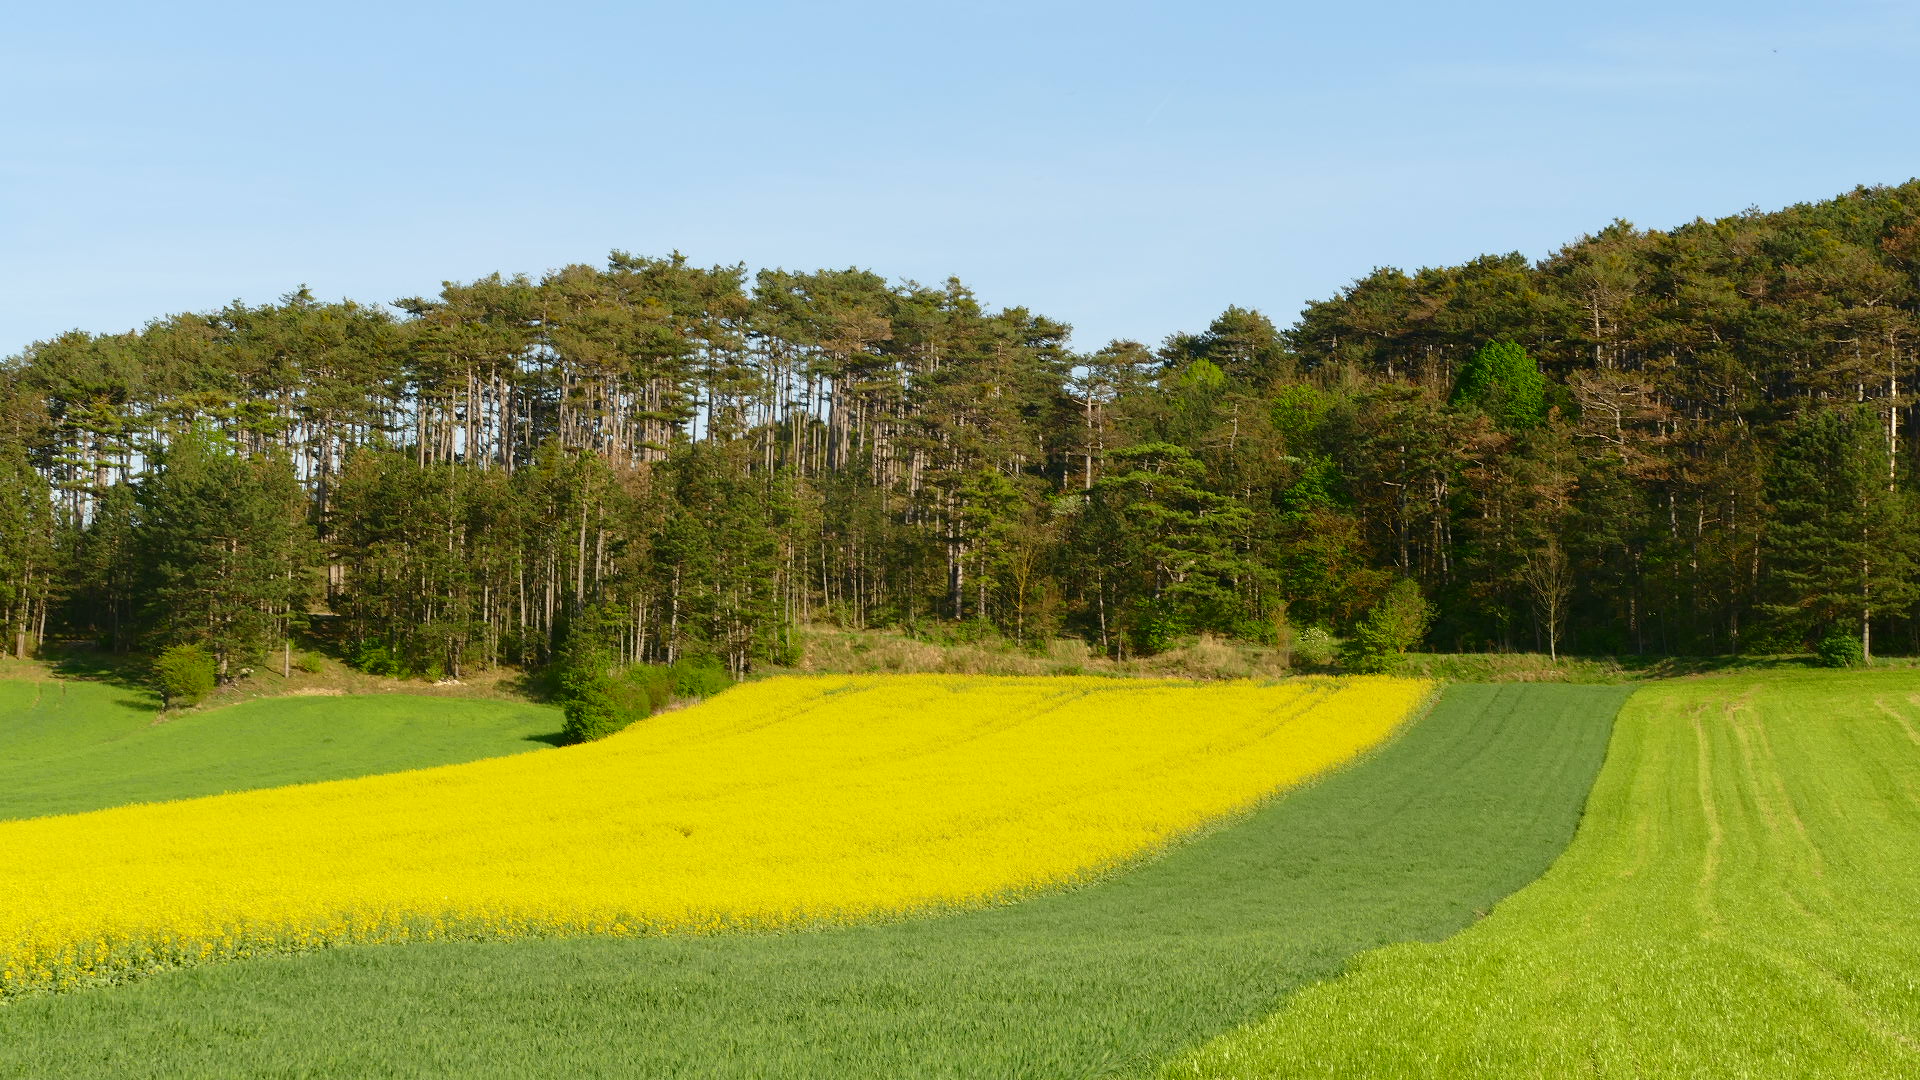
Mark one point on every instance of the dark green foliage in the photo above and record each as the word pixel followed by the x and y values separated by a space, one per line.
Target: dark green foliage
pixel 28 558
pixel 1166 552
pixel 1107 980
pixel 589 693
pixel 592 712
pixel 699 679
pixel 1840 649
pixel 183 675
pixel 224 546
pixel 1240 343
pixel 1615 449
pixel 1840 540
pixel 377 658
pixel 718 543
pixel 106 574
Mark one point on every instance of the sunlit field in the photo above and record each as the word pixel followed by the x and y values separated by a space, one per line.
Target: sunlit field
pixel 783 802
pixel 1410 840
pixel 1740 902
pixel 69 745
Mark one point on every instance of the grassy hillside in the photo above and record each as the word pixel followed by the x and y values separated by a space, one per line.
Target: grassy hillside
pixel 1740 902
pixel 1412 842
pixel 71 745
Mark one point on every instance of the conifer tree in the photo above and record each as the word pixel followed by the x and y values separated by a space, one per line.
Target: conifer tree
pixel 226 548
pixel 1166 548
pixel 1839 543
pixel 27 552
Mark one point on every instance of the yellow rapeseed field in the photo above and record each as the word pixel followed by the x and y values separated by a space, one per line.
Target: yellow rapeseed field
pixel 780 802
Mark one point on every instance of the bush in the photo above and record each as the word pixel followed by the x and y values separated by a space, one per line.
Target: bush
pixel 183 674
pixel 1158 628
pixel 699 678
pixel 592 711
pixel 1840 649
pixel 645 688
pixel 309 662
pixel 1314 647
pixel 598 702
pixel 1394 625
pixel 376 658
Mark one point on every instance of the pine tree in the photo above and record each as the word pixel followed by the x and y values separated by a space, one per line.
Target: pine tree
pixel 1165 548
pixel 1839 543
pixel 225 546
pixel 27 551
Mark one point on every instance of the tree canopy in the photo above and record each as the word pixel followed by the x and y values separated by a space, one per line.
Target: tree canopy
pixel 1690 440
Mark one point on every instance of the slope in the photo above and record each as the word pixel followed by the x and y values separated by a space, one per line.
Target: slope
pixel 68 746
pixel 1412 842
pixel 1739 903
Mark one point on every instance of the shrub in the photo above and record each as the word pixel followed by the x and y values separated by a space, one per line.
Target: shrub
pixel 183 674
pixel 1391 627
pixel 1314 647
pixel 699 678
pixel 592 711
pixel 599 701
pixel 1840 649
pixel 309 662
pixel 646 688
pixel 375 658
pixel 1279 634
pixel 1157 628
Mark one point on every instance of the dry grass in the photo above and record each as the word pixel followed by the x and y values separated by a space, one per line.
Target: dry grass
pixel 265 680
pixel 830 649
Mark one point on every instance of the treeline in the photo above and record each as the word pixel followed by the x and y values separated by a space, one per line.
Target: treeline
pixel 1689 441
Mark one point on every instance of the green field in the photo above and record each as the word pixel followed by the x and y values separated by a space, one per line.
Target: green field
pixel 1412 842
pixel 70 745
pixel 1742 901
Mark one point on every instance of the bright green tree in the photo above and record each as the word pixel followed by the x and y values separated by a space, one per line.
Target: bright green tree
pixel 183 674
pixel 1391 627
pixel 1501 380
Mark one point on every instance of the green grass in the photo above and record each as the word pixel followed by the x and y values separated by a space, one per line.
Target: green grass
pixel 69 745
pixel 1742 900
pixel 1412 842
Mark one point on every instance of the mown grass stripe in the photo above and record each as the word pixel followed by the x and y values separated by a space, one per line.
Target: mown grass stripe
pixel 1739 902
pixel 1411 843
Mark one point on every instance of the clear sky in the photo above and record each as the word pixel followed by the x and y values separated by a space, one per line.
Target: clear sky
pixel 1128 168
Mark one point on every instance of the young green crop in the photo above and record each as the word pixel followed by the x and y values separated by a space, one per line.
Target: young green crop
pixel 1740 902
pixel 1412 841
pixel 68 746
pixel 786 802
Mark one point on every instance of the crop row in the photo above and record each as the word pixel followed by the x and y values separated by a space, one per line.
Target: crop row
pixel 785 802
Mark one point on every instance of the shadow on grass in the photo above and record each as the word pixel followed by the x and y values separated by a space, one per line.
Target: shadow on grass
pixel 1538 667
pixel 536 685
pixel 558 738
pixel 89 664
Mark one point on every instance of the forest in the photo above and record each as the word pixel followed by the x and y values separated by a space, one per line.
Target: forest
pixel 1689 441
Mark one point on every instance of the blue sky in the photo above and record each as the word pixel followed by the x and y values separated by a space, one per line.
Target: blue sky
pixel 1128 168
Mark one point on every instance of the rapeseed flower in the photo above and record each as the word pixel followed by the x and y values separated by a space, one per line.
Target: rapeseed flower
pixel 791 801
